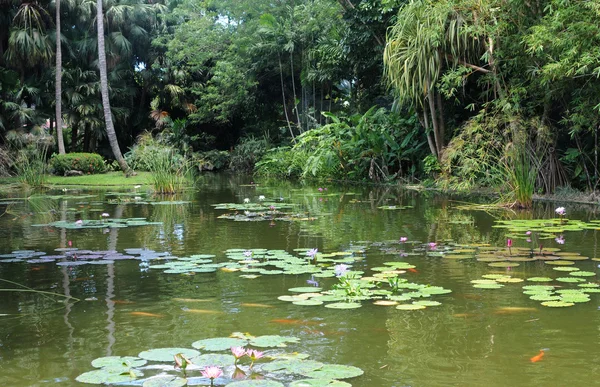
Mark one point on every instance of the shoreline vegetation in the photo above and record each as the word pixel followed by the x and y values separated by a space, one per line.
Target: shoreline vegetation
pixel 143 180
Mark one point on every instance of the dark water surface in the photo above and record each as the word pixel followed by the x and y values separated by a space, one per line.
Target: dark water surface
pixel 470 340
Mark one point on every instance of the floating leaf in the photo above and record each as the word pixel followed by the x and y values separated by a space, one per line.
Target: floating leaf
pixel 308 302
pixel 540 279
pixel 307 289
pixel 213 359
pixel 488 286
pixel 583 273
pixel 272 341
pixel 410 307
pixel 570 279
pixel 165 381
pixel 106 376
pixel 335 371
pixel 295 366
pixel 344 305
pixel 166 354
pixel 427 303
pixel 319 383
pixel 255 383
pixel 219 343
pixel 557 304
pixel 118 361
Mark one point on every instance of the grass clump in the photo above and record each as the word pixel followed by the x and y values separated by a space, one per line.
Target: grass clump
pixel 168 173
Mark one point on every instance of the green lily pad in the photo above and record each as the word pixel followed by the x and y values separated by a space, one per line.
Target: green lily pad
pixel 166 354
pixel 410 307
pixel 427 303
pixel 503 264
pixel 319 383
pixel 213 359
pixel 118 361
pixel 542 288
pixel 106 376
pixel 295 366
pixel 557 304
pixel 308 302
pixel 570 279
pixel 344 305
pixel 165 381
pixel 269 341
pixel 255 383
pixel 306 289
pixel 583 273
pixel 219 343
pixel 565 268
pixel 545 297
pixel 335 371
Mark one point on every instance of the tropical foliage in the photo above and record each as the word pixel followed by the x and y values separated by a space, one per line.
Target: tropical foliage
pixel 349 89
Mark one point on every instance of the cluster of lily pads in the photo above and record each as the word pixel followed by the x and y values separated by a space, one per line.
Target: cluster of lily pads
pixel 384 287
pixel 261 211
pixel 551 295
pixel 104 222
pixel 70 256
pixel 222 360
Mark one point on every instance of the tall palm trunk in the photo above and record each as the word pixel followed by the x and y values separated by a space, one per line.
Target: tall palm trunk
pixel 58 85
pixel 110 129
pixel 287 118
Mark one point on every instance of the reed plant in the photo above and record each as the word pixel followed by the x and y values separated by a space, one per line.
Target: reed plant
pixel 31 166
pixel 169 171
pixel 518 171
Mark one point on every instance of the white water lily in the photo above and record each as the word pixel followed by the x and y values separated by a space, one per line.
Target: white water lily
pixel 261 197
pixel 246 200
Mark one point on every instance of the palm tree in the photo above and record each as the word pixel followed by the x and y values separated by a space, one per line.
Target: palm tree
pixel 58 84
pixel 110 129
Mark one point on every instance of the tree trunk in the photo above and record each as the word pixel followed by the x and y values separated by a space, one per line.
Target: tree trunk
pixel 110 129
pixel 287 118
pixel 74 134
pixel 430 141
pixel 434 121
pixel 58 85
pixel 441 123
pixel 294 90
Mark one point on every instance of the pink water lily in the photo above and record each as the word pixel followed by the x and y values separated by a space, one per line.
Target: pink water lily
pixel 561 211
pixel 403 239
pixel 79 222
pixel 509 243
pixel 212 373
pixel 432 245
pixel 528 233
pixel 238 352
pixel 254 355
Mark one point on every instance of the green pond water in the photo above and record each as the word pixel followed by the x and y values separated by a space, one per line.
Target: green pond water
pixel 476 337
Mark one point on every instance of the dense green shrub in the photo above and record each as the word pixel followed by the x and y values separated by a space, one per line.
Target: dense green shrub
pixel 213 160
pixel 247 153
pixel 142 155
pixel 376 146
pixel 281 163
pixel 85 162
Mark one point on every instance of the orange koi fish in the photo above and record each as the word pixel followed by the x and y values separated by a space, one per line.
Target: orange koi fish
pixel 537 357
pixel 146 314
pixel 412 270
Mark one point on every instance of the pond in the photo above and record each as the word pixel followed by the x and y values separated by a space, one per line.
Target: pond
pixel 124 288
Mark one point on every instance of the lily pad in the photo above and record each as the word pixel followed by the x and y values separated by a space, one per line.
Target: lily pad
pixel 307 289
pixel 540 279
pixel 165 381
pixel 308 302
pixel 557 304
pixel 106 376
pixel 269 341
pixel 166 354
pixel 335 371
pixel 118 361
pixel 410 307
pixel 219 343
pixel 319 383
pixel 344 305
pixel 213 359
pixel 255 383
pixel 295 366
